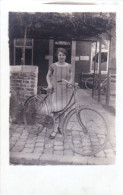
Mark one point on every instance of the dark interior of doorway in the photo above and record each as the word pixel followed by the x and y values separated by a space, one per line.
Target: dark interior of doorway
pixel 62 44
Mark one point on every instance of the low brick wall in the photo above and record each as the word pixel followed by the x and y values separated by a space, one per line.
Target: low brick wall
pixel 23 80
pixel 23 84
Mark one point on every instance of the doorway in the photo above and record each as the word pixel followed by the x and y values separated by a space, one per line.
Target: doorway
pixel 62 44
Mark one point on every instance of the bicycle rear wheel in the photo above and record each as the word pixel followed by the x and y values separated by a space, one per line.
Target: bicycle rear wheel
pixel 16 108
pixel 88 138
pixel 89 83
pixel 34 107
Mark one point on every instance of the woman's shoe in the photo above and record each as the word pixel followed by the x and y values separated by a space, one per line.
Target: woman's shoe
pixel 52 135
pixel 59 130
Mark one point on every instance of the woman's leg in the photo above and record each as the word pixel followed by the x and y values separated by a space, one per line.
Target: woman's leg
pixel 55 128
pixel 60 125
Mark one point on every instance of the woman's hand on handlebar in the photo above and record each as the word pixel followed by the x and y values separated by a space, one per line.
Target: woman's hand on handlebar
pixel 50 89
pixel 68 83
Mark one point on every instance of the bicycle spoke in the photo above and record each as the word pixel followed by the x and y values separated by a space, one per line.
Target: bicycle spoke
pixel 82 142
pixel 33 111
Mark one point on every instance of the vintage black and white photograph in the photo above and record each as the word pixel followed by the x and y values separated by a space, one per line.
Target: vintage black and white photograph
pixel 62 88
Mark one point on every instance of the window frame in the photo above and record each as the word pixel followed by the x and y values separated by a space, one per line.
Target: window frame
pixel 106 50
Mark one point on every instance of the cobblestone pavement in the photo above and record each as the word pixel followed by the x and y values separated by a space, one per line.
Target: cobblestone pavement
pixel 38 149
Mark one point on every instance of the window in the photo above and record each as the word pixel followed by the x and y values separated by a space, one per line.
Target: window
pixel 23 51
pixel 104 57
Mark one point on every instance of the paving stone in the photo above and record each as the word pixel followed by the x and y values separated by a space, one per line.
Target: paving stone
pixel 24 158
pixel 58 147
pixel 20 128
pixel 78 145
pixel 27 128
pixel 66 146
pixel 75 133
pixel 100 154
pixel 25 134
pixel 19 143
pixel 25 131
pixel 108 150
pixel 56 143
pixel 68 152
pixel 62 154
pixel 23 139
pixel 58 152
pixel 99 161
pixel 76 154
pixel 113 143
pixel 31 145
pixel 14 126
pixel 76 138
pixel 59 139
pixel 59 136
pixel 16 134
pixel 50 145
pixel 13 141
pixel 28 150
pixel 39 144
pixel 40 139
pixel 43 134
pixel 32 138
pixel 38 150
pixel 109 153
pixel 76 142
pixel 11 146
pixel 108 146
pixel 48 151
pixel 47 141
pixel 94 140
pixel 14 138
pixel 17 148
pixel 30 141
pixel 80 160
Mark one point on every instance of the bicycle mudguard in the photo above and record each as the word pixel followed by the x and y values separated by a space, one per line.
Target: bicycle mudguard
pixel 45 120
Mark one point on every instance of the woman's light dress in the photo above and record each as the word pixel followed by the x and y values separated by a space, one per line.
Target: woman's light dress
pixel 61 94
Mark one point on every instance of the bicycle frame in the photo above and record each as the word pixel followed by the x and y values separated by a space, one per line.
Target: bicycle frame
pixel 103 83
pixel 68 106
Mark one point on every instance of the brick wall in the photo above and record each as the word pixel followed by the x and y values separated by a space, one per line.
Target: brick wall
pixel 23 84
pixel 23 79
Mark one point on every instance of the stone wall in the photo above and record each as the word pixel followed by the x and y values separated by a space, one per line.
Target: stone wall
pixel 23 84
pixel 23 80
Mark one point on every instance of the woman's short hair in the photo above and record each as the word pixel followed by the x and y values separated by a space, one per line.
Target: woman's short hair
pixel 61 50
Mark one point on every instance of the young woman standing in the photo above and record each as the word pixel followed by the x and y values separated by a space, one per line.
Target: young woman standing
pixel 60 96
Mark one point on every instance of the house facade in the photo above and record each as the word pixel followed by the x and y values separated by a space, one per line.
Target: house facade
pixel 34 42
pixel 41 53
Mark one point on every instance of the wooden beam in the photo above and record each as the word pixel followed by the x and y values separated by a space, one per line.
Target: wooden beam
pixel 99 89
pixel 73 55
pixel 94 70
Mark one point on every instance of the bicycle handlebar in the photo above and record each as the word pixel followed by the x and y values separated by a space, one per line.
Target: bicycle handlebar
pixel 67 82
pixel 60 81
pixel 48 90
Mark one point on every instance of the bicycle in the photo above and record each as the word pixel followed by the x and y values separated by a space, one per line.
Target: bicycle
pixel 16 107
pixel 91 83
pixel 84 128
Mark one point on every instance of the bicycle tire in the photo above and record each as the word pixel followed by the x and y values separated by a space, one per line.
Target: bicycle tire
pixel 96 137
pixel 34 106
pixel 89 84
pixel 16 108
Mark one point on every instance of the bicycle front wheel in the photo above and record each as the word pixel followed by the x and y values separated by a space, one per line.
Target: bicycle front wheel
pixel 90 135
pixel 34 107
pixel 89 84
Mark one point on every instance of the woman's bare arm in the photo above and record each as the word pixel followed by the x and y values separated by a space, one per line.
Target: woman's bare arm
pixel 48 79
pixel 71 78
